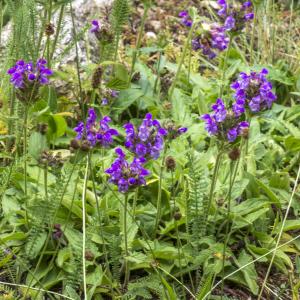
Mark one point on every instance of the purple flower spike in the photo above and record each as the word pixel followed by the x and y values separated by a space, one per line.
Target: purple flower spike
pixel 213 41
pixel 25 75
pixel 185 18
pixel 224 123
pixel 125 175
pixel 96 133
pixel 146 141
pixel 234 18
pixel 253 90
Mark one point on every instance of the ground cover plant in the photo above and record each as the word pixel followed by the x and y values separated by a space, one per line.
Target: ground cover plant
pixel 149 149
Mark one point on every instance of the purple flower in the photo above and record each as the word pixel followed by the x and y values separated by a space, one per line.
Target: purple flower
pixel 229 23
pixel 224 123
pixel 220 111
pixel 232 134
pixel 95 26
pixel 96 132
pixel 212 41
pixel 234 18
pixel 185 18
pixel 210 124
pixel 147 140
pixel 24 75
pixel 253 90
pixel 127 175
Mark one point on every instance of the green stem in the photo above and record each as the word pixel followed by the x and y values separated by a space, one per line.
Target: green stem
pixel 83 228
pixel 58 27
pixel 214 180
pixel 227 235
pixel 139 39
pixel 127 271
pixel 46 181
pixel 158 206
pixel 99 215
pixel 224 67
pixel 135 201
pixel 77 60
pixel 25 161
pixel 182 58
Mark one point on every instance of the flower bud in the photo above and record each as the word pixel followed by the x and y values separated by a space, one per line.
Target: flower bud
pixel 85 146
pixel 97 76
pixel 89 255
pixel 75 144
pixel 234 154
pixel 49 30
pixel 42 128
pixel 177 215
pixel 170 163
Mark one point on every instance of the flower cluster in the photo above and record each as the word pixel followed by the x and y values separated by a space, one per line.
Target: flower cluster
pixel 253 90
pixel 146 143
pixel 93 132
pixel 23 73
pixel 127 175
pixel 223 123
pixel 235 18
pixel 211 41
pixel 148 140
pixel 28 77
pixel 185 18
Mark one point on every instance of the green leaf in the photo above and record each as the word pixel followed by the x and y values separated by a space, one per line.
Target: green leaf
pixel 292 143
pixel 63 255
pixel 249 272
pixel 37 144
pixel 57 126
pixel 205 288
pixel 240 222
pixel 288 225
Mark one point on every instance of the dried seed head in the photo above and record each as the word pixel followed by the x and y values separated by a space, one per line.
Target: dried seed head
pixel 234 154
pixel 136 77
pixel 97 76
pixel 49 30
pixel 170 163
pixel 85 146
pixel 89 255
pixel 74 144
pixel 167 105
pixel 245 133
pixel 177 215
pixel 42 128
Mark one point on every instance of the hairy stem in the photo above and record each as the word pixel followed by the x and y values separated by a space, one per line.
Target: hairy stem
pixel 83 227
pixel 127 271
pixel 158 205
pixel 139 39
pixel 182 58
pixel 214 180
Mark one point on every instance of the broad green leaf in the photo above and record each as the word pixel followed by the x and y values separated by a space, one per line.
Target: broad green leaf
pixel 240 222
pixel 37 144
